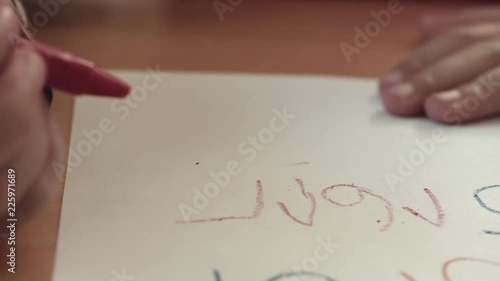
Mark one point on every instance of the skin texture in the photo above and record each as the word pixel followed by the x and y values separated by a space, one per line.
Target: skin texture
pixel 454 77
pixel 30 140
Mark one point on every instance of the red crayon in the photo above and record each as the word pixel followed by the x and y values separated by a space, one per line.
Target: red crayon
pixel 75 75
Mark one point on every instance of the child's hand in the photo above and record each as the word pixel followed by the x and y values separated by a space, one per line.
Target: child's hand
pixel 29 141
pixel 455 76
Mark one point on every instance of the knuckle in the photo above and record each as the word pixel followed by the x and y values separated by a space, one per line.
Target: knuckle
pixel 490 48
pixel 493 78
pixel 425 82
pixel 463 34
pixel 485 85
pixel 413 65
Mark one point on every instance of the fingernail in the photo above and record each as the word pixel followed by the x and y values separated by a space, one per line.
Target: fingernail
pixel 404 91
pixel 449 96
pixel 392 78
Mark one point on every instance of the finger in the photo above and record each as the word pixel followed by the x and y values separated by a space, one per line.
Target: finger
pixel 453 70
pixel 25 136
pixel 45 189
pixel 9 26
pixel 21 100
pixel 433 23
pixel 438 48
pixel 473 101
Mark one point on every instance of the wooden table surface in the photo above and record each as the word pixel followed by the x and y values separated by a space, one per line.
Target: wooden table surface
pixel 256 36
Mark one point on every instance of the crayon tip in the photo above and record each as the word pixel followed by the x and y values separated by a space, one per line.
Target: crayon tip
pixel 104 84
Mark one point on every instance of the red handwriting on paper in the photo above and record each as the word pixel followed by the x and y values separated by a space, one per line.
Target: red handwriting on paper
pixel 361 194
pixel 307 195
pixel 407 276
pixel 259 205
pixel 437 206
pixel 446 266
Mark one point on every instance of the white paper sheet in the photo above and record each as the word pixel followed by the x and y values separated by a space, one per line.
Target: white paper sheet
pixel 316 182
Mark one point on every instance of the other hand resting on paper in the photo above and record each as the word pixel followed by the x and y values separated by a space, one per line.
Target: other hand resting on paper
pixel 454 77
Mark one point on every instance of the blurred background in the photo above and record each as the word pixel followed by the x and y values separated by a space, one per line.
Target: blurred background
pixel 259 36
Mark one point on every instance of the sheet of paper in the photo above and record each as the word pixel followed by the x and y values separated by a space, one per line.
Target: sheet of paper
pixel 227 177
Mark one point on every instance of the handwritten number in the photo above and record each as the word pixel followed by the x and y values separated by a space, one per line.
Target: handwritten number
pixel 361 194
pixel 307 195
pixel 437 206
pixel 407 276
pixel 259 205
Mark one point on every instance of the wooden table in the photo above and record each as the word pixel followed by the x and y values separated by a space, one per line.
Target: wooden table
pixel 256 36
